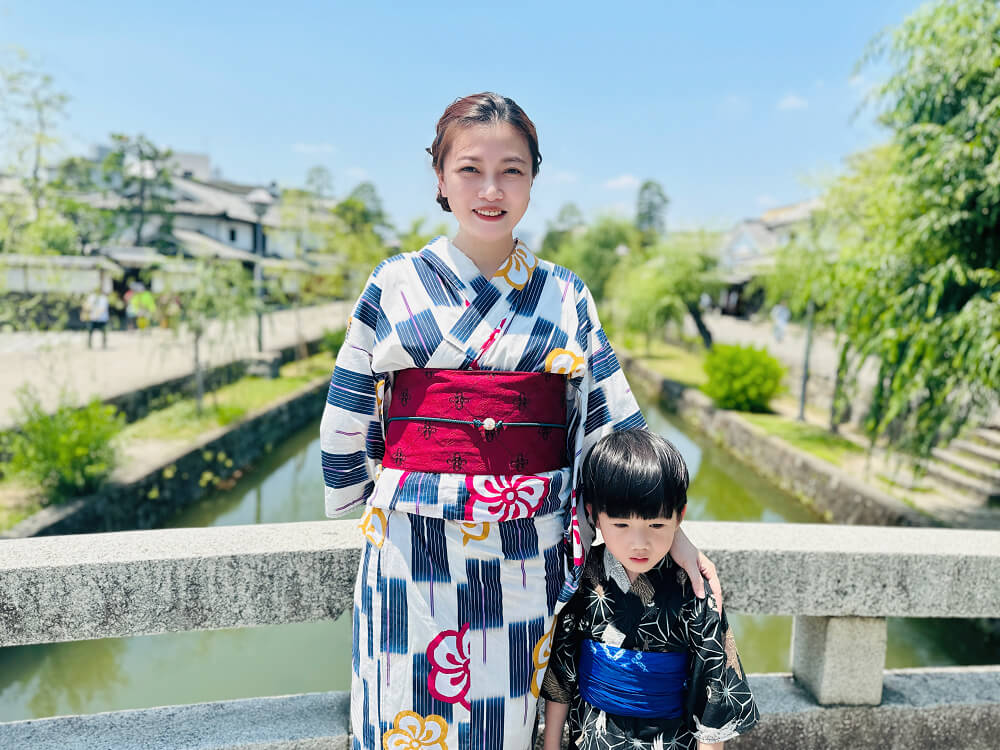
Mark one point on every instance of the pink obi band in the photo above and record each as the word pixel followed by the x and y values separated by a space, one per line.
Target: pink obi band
pixel 476 422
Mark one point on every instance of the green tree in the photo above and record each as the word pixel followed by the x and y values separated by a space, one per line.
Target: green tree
pixel 15 215
pixel 222 295
pixel 415 237
pixel 651 211
pixel 72 193
pixel 138 173
pixel 367 204
pixel 594 253
pixel 917 223
pixel 319 181
pixel 658 285
pixel 32 107
pixel 557 232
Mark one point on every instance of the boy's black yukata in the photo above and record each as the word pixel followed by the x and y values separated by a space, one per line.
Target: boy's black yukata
pixel 657 613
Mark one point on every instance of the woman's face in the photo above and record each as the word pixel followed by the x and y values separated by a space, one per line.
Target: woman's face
pixel 486 177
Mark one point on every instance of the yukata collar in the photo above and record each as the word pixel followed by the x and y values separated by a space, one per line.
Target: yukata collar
pixel 460 270
pixel 615 571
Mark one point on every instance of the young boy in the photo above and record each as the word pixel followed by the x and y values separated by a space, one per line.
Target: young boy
pixel 637 659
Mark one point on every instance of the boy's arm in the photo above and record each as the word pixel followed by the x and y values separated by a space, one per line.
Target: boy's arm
pixel 560 682
pixel 555 720
pixel 720 704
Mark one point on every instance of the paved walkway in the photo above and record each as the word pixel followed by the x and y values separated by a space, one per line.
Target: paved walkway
pixel 53 362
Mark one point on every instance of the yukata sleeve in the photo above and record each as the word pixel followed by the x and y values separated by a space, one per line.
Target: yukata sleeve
pixel 560 682
pixel 720 705
pixel 604 401
pixel 351 437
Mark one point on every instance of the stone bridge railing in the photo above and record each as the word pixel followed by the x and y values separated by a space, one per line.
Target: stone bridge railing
pixel 839 582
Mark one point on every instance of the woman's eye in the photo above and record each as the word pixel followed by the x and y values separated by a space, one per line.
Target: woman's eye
pixel 514 170
pixel 467 169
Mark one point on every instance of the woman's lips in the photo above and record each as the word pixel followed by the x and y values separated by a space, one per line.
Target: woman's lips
pixel 491 214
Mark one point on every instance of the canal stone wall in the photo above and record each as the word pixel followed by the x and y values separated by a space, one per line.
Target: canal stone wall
pixel 835 494
pixel 145 582
pixel 156 493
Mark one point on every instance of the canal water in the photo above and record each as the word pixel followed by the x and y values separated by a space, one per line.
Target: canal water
pixel 112 674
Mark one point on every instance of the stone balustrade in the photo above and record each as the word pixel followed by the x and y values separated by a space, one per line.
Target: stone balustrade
pixel 839 582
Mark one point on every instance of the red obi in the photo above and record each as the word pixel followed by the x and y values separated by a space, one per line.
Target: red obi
pixel 476 422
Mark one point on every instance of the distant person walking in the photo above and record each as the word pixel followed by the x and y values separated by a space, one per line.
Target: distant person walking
pixel 780 315
pixel 96 311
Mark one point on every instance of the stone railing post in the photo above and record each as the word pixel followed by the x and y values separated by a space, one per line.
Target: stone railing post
pixel 840 659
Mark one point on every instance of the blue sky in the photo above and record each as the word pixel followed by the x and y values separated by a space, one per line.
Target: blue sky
pixel 733 106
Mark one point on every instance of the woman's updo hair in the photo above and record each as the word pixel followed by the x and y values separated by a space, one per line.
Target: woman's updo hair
pixel 480 109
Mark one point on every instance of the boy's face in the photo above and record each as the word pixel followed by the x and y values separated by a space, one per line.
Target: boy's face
pixel 638 543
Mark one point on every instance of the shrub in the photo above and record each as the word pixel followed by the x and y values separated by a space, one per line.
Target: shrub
pixel 333 340
pixel 68 452
pixel 743 378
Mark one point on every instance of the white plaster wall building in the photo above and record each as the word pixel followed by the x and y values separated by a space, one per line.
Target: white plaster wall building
pixel 748 249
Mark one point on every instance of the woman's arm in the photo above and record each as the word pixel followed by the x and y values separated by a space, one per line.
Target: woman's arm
pixel 710 745
pixel 555 720
pixel 351 441
pixel 696 565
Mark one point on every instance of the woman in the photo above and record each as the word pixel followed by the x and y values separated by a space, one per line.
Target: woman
pixel 473 379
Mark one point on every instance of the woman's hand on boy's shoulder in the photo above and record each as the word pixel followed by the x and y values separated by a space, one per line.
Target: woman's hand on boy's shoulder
pixel 707 569
pixel 697 566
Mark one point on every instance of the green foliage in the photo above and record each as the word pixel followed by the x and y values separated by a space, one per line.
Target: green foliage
pixel 222 295
pixel 802 270
pixel 743 378
pixel 319 181
pixel 49 234
pixel 808 437
pixel 68 196
pixel 182 420
pixel 915 285
pixel 415 237
pixel 31 107
pixel 651 211
pixel 138 172
pixel 594 253
pixel 363 208
pixel 660 284
pixel 67 453
pixel 333 340
pixel 557 232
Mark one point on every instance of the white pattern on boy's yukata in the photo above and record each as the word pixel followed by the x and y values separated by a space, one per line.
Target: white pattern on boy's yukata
pixel 461 576
pixel 658 612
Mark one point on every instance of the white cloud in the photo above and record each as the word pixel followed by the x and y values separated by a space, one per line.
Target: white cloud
pixel 791 101
pixel 313 149
pixel 356 173
pixel 622 182
pixel 766 201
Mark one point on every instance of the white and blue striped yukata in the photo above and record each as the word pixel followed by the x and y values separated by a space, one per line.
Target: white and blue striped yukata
pixel 461 575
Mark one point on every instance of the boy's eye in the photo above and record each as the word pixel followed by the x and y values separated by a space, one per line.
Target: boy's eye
pixel 657 525
pixel 621 525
